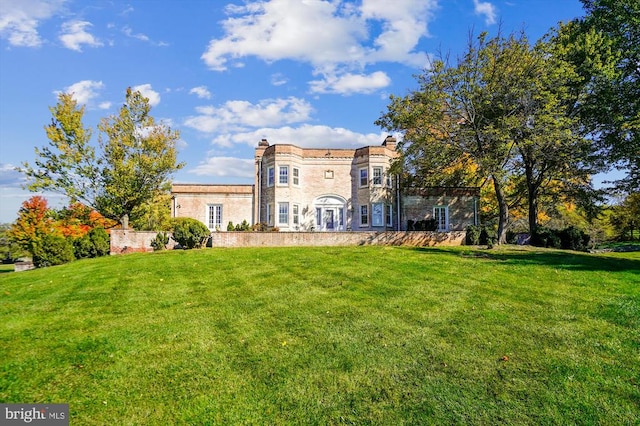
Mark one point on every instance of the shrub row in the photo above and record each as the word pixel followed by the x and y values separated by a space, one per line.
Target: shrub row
pixel 480 235
pixel 570 238
pixel 422 225
pixel 54 249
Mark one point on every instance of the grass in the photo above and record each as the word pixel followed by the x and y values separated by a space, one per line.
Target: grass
pixel 359 335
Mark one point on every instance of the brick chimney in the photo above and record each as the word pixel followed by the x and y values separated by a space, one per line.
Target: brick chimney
pixel 390 142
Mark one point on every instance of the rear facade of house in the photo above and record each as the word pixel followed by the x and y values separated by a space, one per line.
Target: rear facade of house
pixel 325 190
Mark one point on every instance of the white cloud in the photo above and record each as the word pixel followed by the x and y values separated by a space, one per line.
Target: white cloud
pixel 19 20
pixel 239 115
pixel 75 35
pixel 201 91
pixel 347 84
pixel 278 79
pixel 10 177
pixel 84 91
pixel 225 167
pixel 129 33
pixel 104 105
pixel 330 35
pixel 305 136
pixel 147 91
pixel 487 9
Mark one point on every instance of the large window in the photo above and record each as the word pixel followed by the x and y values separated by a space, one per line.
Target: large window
pixel 270 176
pixel 364 215
pixel 296 176
pixel 214 216
pixel 377 176
pixel 377 211
pixel 441 215
pixel 364 177
pixel 283 213
pixel 283 175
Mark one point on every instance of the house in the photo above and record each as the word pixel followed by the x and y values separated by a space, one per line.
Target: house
pixel 325 190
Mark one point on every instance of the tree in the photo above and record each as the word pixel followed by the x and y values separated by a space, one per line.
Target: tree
pixel 625 217
pixel 137 156
pixel 33 223
pixel 551 155
pixel 501 110
pixel 604 46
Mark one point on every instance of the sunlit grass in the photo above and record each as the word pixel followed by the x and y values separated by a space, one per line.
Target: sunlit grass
pixel 364 335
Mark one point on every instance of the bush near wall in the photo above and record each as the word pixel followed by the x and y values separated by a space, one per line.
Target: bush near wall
pixel 190 233
pixel 480 235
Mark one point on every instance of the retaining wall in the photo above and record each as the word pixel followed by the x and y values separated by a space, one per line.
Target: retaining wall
pixel 135 241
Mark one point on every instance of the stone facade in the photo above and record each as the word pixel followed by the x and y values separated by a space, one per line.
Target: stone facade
pixel 303 190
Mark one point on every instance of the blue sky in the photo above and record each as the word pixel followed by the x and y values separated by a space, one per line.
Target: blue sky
pixel 315 73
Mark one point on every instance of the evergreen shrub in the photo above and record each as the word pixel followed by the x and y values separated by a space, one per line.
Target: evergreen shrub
pixel 190 233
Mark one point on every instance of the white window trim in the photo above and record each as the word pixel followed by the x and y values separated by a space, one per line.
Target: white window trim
pixel 295 178
pixel 216 209
pixel 280 176
pixel 271 176
pixel 377 214
pixel 388 214
pixel 296 214
pixel 269 215
pixel 364 208
pixel 285 212
pixel 374 177
pixel 366 171
pixel 446 218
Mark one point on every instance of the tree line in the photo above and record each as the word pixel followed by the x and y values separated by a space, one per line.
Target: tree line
pixel 533 121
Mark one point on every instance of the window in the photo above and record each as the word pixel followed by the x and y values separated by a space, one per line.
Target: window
pixel 270 176
pixel 283 213
pixel 341 217
pixel 377 214
pixel 377 176
pixel 318 218
pixel 296 213
pixel 214 216
pixel 269 215
pixel 441 215
pixel 364 177
pixel 388 210
pixel 364 215
pixel 283 175
pixel 296 176
pixel 389 182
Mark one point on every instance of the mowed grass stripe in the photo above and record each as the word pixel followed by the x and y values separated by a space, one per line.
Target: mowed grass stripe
pixel 364 335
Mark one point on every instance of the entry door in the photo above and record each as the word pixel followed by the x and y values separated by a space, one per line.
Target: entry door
pixel 329 217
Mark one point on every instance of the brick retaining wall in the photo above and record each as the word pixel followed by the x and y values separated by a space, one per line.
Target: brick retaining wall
pixel 137 241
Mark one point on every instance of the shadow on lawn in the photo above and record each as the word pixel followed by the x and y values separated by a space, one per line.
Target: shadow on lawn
pixel 558 259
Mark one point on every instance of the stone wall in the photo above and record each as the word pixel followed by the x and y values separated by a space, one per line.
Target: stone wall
pixel 133 241
pixel 130 241
pixel 288 239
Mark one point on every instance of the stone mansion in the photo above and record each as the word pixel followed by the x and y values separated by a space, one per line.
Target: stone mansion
pixel 325 190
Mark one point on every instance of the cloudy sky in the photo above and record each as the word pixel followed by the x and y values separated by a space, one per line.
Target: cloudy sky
pixel 227 73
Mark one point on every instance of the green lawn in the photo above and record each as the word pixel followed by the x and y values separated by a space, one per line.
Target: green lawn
pixel 359 335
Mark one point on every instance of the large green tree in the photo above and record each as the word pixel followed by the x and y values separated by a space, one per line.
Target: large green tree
pixel 133 164
pixel 501 109
pixel 604 46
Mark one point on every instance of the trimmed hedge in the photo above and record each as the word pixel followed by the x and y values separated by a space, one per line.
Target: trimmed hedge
pixel 190 233
pixel 570 238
